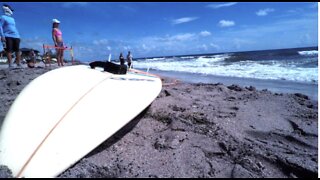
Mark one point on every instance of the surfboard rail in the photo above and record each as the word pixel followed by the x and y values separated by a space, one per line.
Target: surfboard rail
pixel 90 101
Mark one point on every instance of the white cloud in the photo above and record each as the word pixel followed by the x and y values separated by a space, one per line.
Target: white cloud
pixel 217 6
pixel 144 46
pixel 215 46
pixel 101 42
pixel 150 47
pixel 34 43
pixel 127 48
pixel 205 33
pixel 170 41
pixel 287 31
pixel 264 12
pixel 182 37
pixel 183 20
pixel 305 38
pixel 204 47
pixel 226 23
pixel 171 44
pixel 239 43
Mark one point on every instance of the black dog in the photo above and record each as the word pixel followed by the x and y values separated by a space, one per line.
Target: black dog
pixel 110 67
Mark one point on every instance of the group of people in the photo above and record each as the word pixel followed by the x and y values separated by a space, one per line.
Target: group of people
pixel 129 59
pixel 10 37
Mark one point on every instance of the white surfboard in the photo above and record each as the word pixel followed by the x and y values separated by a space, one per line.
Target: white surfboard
pixel 65 113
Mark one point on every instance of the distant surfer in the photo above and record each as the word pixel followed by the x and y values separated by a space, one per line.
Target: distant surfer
pixel 129 60
pixel 10 36
pixel 58 41
pixel 121 58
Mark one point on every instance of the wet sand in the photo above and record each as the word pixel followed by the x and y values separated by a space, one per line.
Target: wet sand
pixel 200 130
pixel 278 86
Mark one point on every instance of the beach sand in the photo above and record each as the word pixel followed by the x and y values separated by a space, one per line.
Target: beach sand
pixel 199 130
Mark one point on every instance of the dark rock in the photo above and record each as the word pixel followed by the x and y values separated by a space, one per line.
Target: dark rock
pixel 301 96
pixel 310 106
pixel 234 108
pixel 251 88
pixel 231 98
pixel 217 84
pixel 235 87
pixel 167 93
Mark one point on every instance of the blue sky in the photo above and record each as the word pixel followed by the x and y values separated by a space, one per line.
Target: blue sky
pixel 95 29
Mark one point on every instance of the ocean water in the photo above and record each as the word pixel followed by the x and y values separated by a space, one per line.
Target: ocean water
pixel 298 65
pixel 283 70
pixel 292 70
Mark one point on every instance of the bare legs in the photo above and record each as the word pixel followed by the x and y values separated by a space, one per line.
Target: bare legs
pixel 48 60
pixel 9 56
pixel 18 58
pixel 60 57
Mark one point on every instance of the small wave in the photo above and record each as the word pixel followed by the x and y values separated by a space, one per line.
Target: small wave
pixel 249 69
pixel 308 53
pixel 212 59
pixel 155 59
pixel 187 57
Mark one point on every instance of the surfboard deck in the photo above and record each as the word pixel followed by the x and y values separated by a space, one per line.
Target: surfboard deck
pixel 77 109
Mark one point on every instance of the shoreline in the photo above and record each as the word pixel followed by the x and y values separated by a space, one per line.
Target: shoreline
pixel 200 130
pixel 275 86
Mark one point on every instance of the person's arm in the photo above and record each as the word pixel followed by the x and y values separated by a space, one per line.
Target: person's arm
pixel 54 37
pixel 1 29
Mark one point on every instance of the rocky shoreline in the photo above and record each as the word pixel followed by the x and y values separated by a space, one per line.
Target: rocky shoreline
pixel 200 130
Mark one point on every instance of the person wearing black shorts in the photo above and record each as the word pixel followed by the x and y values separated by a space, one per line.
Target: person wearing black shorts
pixel 9 35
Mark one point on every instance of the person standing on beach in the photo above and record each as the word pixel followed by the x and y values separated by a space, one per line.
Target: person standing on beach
pixel 47 58
pixel 10 36
pixel 58 41
pixel 121 58
pixel 129 60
